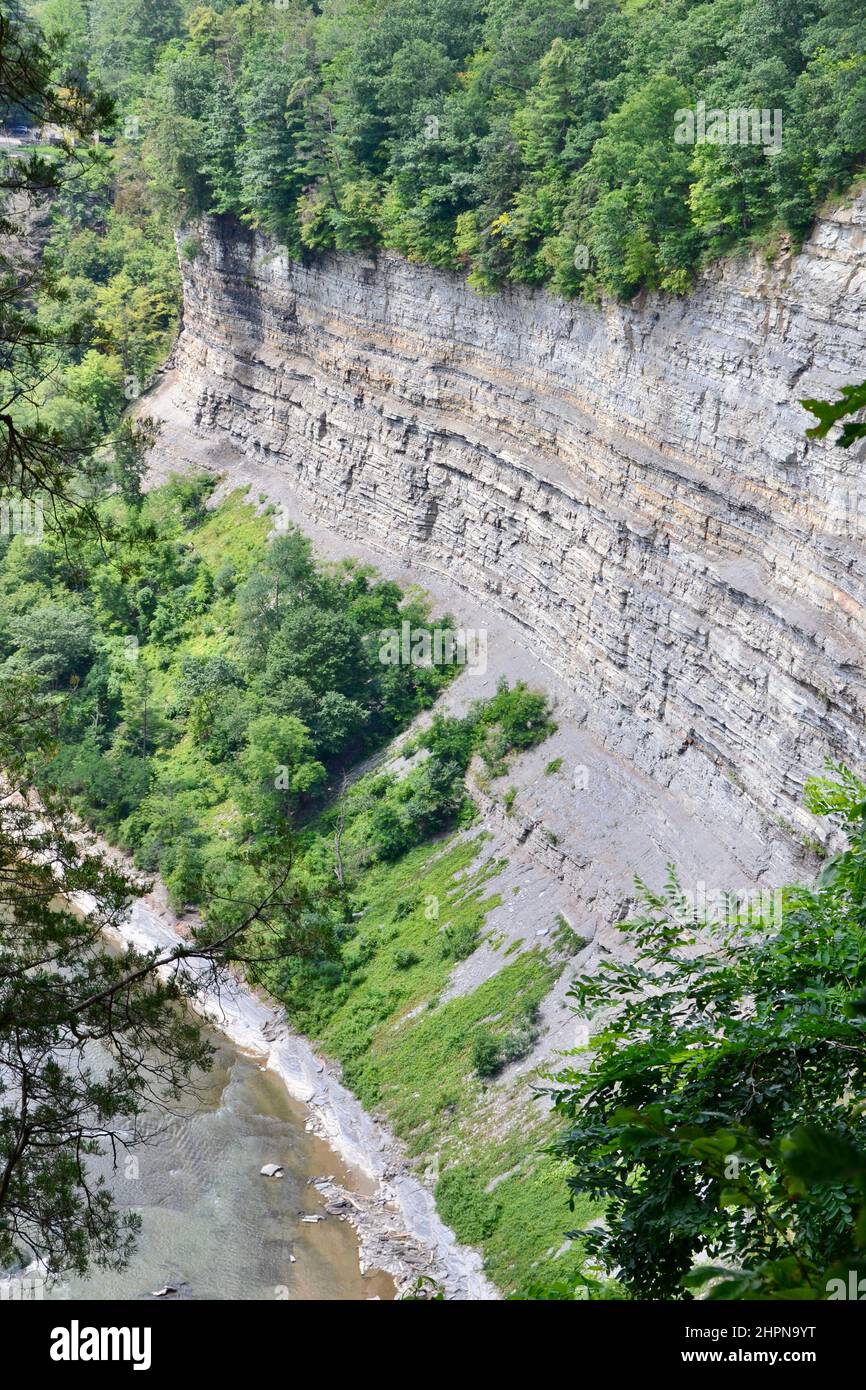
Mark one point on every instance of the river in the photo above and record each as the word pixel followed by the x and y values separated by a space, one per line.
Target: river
pixel 212 1226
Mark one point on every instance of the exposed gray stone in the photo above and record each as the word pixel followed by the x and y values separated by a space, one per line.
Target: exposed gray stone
pixel 631 485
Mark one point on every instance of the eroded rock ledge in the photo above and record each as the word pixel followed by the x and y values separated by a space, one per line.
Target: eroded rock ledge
pixel 632 485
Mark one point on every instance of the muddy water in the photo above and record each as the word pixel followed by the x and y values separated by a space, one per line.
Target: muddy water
pixel 212 1226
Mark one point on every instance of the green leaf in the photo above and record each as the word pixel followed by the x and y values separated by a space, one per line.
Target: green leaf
pixel 819 1157
pixel 829 413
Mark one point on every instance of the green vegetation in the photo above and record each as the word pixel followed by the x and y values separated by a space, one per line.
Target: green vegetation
pixel 566 938
pixel 851 402
pixel 75 1021
pixel 532 143
pixel 205 698
pixel 58 987
pixel 413 1058
pixel 721 1114
pixel 211 693
pixel 64 1002
pixel 88 318
pixel 115 297
pixel 213 684
pixel 490 1053
pixel 544 143
pixel 37 455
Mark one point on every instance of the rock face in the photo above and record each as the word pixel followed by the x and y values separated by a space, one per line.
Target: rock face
pixel 632 485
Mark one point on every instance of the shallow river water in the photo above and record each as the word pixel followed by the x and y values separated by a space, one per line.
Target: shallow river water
pixel 212 1226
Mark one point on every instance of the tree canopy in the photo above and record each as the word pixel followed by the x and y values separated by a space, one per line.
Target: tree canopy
pixel 718 1112
pixel 533 143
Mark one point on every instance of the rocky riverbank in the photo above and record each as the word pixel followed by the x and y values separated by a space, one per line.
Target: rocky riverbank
pixel 392 1213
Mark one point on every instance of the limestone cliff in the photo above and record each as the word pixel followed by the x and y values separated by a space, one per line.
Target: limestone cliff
pixel 632 485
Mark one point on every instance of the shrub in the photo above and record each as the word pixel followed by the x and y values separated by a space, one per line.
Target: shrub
pixel 720 1113
pixel 486 1054
pixel 471 1212
pixel 566 938
pixel 459 943
pixel 404 959
pixel 226 577
pixel 520 1041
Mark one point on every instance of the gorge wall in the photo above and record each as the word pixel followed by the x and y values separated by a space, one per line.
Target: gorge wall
pixel 631 485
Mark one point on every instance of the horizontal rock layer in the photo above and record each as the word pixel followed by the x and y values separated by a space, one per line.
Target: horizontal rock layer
pixel 632 485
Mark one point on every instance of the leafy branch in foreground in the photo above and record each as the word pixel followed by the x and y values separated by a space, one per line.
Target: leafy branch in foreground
pixel 720 1117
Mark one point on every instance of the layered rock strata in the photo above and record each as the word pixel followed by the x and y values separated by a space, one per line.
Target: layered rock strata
pixel 631 485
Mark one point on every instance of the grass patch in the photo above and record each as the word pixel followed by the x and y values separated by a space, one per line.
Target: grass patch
pixel 566 938
pixel 524 1247
pixel 233 534
pixel 414 1059
pixel 429 905
pixel 421 1069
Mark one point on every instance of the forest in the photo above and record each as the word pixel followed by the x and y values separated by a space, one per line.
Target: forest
pixel 185 676
pixel 531 143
